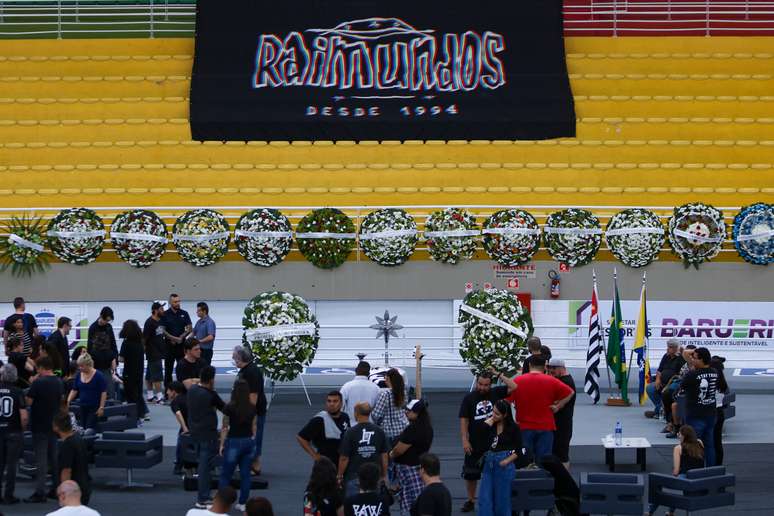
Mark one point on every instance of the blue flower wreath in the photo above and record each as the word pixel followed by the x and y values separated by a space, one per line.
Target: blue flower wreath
pixel 755 219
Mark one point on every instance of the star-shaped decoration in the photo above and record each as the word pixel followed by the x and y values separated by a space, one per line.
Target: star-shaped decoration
pixel 386 326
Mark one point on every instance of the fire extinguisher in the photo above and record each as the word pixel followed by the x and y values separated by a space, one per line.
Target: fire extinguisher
pixel 554 276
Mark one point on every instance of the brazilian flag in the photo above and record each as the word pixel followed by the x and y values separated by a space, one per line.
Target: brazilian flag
pixel 616 351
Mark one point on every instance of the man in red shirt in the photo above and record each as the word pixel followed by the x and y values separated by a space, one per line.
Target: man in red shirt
pixel 537 397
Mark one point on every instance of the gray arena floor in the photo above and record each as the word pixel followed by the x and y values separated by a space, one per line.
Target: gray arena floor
pixel 749 454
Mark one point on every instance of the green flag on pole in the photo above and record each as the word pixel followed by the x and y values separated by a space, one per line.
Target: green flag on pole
pixel 616 352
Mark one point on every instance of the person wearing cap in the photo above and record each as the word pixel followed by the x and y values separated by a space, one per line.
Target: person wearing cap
pixel 669 366
pixel 153 336
pixel 563 417
pixel 414 441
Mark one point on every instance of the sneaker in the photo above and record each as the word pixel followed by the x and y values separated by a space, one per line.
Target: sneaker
pixel 667 429
pixel 146 418
pixel 239 507
pixel 650 414
pixel 150 398
pixel 36 498
pixel 203 505
pixel 468 506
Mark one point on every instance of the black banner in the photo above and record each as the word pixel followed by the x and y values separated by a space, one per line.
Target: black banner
pixel 380 70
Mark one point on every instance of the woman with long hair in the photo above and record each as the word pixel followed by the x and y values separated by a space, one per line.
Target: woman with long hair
pixel 132 356
pixel 414 441
pixel 16 325
pixel 25 367
pixel 237 440
pixel 90 388
pixel 388 411
pixel 687 455
pixel 505 446
pixel 322 496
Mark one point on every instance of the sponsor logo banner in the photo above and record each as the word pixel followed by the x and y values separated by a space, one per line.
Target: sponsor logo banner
pixel 310 70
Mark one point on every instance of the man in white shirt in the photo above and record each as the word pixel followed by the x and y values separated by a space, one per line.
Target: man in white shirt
pixel 224 499
pixel 359 389
pixel 70 499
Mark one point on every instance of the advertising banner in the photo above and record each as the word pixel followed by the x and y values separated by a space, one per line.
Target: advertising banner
pixel 365 70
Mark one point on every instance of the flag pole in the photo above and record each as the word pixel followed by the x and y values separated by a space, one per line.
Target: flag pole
pixel 604 345
pixel 631 352
pixel 619 401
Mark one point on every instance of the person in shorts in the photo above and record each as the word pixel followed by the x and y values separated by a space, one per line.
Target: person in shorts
pixel 153 335
pixel 475 409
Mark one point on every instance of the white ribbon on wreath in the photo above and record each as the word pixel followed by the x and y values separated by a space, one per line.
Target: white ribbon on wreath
pixel 263 234
pixel 699 238
pixel 77 234
pixel 393 233
pixel 281 331
pixel 23 242
pixel 755 236
pixel 572 231
pixel 145 237
pixel 494 320
pixel 635 231
pixel 324 234
pixel 452 233
pixel 511 231
pixel 199 238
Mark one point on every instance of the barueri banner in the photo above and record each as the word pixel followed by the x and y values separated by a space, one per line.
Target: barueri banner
pixel 367 70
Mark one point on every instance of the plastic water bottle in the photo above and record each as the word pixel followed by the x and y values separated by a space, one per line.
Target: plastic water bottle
pixel 618 433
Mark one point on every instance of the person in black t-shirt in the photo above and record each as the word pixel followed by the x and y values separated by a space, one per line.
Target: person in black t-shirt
pixel 25 367
pixel 563 417
pixel 132 357
pixel 499 469
pixel 177 325
pixel 535 348
pixel 102 326
pixel 369 500
pixel 475 409
pixel 73 459
pixel 13 420
pixel 435 499
pixel 322 496
pixel 237 441
pixel 321 436
pixel 700 387
pixel 203 402
pixel 249 372
pixel 178 404
pixel 153 337
pixel 190 366
pixel 414 441
pixel 44 399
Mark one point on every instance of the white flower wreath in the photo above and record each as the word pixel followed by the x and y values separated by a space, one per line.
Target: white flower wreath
pixel 139 237
pixel 696 233
pixel 282 332
pixel 201 236
pixel 451 235
pixel 76 235
pixel 388 236
pixel 754 233
pixel 635 236
pixel 263 237
pixel 572 236
pixel 511 237
pixel 496 327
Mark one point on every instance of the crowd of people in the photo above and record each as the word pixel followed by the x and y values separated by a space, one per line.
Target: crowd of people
pixel 371 445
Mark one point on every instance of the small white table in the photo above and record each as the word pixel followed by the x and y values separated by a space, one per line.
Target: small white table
pixel 627 443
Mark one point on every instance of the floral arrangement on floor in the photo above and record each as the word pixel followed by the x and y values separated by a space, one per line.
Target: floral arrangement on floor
pixel 495 330
pixel 139 237
pixel 635 236
pixel 696 233
pixel 753 233
pixel 326 237
pixel 388 236
pixel 572 236
pixel 282 332
pixel 451 235
pixel 201 236
pixel 76 235
pixel 22 250
pixel 511 237
pixel 263 237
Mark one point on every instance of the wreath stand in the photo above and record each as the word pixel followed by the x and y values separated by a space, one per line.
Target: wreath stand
pixel 273 385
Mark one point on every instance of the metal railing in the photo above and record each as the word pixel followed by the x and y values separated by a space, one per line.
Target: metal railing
pixel 162 18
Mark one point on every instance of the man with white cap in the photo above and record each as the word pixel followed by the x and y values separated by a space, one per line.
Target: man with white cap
pixel 562 417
